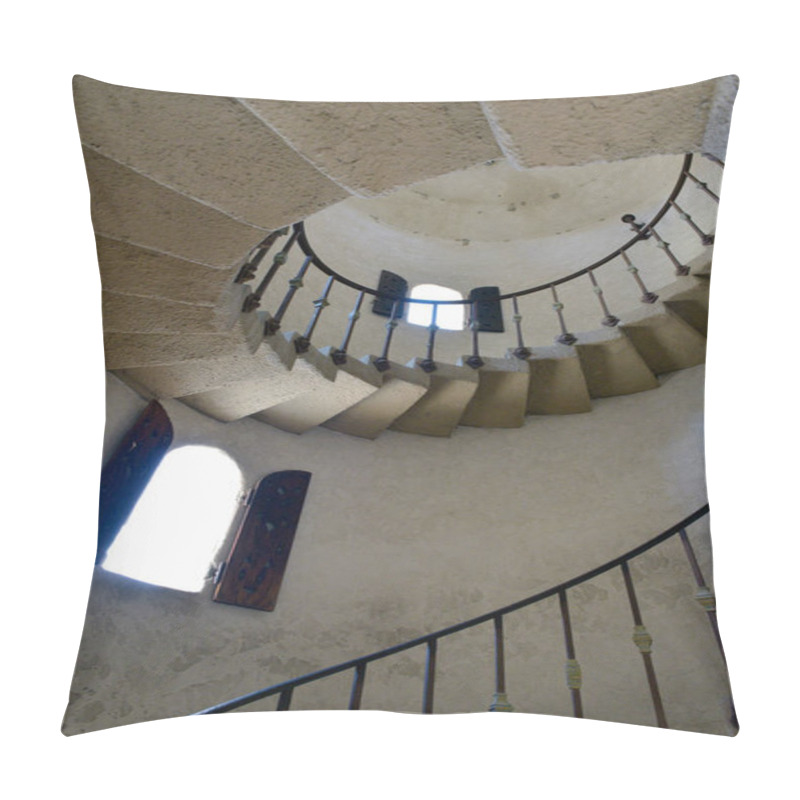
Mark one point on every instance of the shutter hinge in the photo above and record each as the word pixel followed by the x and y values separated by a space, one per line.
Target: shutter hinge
pixel 218 573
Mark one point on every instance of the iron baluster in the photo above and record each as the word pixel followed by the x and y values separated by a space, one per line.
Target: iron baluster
pixel 711 157
pixel 609 320
pixel 382 361
pixel 520 351
pixel 702 185
pixel 253 301
pixel 428 364
pixel 704 595
pixel 285 699
pixel 500 698
pixel 256 256
pixel 644 641
pixel 339 355
pixel 303 343
pixel 572 667
pixel 646 230
pixel 475 361
pixel 358 686
pixel 565 337
pixel 647 296
pixel 273 324
pixel 430 677
pixel 706 238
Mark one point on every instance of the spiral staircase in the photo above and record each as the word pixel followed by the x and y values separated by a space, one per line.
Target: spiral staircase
pixel 240 245
pixel 189 193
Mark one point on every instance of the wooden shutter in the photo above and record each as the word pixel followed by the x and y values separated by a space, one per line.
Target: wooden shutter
pixel 254 569
pixel 128 472
pixel 396 288
pixel 489 310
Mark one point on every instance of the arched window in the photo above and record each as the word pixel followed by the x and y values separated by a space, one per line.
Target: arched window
pixel 448 317
pixel 180 521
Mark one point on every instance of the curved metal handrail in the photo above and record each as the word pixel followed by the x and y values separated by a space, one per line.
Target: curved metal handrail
pixel 353 663
pixel 644 232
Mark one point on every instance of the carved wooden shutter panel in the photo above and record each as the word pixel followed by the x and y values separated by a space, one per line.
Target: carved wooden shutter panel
pixel 128 472
pixel 257 560
pixel 489 312
pixel 394 286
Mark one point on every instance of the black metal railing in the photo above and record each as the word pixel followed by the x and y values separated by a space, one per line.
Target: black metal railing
pixel 642 232
pixel 641 638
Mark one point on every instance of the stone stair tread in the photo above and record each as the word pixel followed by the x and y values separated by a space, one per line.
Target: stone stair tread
pixel 135 314
pixel 501 398
pixel 437 138
pixel 261 180
pixel 438 411
pixel 700 265
pixel 664 340
pixel 249 362
pixel 245 398
pixel 557 383
pixel 353 382
pixel 130 206
pixel 127 268
pixel 612 365
pixel 199 375
pixel 400 388
pixel 127 350
pixel 361 368
pixel 688 297
pixel 657 118
pixel 136 349
pixel 310 372
pixel 553 351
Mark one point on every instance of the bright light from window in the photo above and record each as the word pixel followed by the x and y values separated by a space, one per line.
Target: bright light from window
pixel 180 520
pixel 449 318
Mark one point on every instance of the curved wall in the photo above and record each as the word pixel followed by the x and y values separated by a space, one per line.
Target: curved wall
pixel 407 534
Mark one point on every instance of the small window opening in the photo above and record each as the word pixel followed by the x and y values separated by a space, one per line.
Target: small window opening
pixel 180 521
pixel 448 317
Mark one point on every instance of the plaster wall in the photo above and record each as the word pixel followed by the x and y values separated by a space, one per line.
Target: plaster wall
pixel 406 534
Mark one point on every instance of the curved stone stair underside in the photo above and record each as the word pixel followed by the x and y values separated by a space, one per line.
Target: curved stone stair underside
pixel 175 222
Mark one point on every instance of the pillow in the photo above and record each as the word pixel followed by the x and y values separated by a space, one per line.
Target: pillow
pixel 405 407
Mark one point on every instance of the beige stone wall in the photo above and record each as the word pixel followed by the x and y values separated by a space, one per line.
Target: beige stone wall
pixel 407 534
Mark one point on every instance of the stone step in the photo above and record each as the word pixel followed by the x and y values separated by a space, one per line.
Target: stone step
pixel 133 208
pixel 439 410
pixel 501 398
pixel 274 357
pixel 400 388
pixel 310 372
pixel 354 381
pixel 665 341
pixel 125 350
pixel 134 314
pixel 688 298
pixel 126 268
pixel 645 123
pixel 701 265
pixel 557 383
pixel 235 163
pixel 356 144
pixel 612 365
